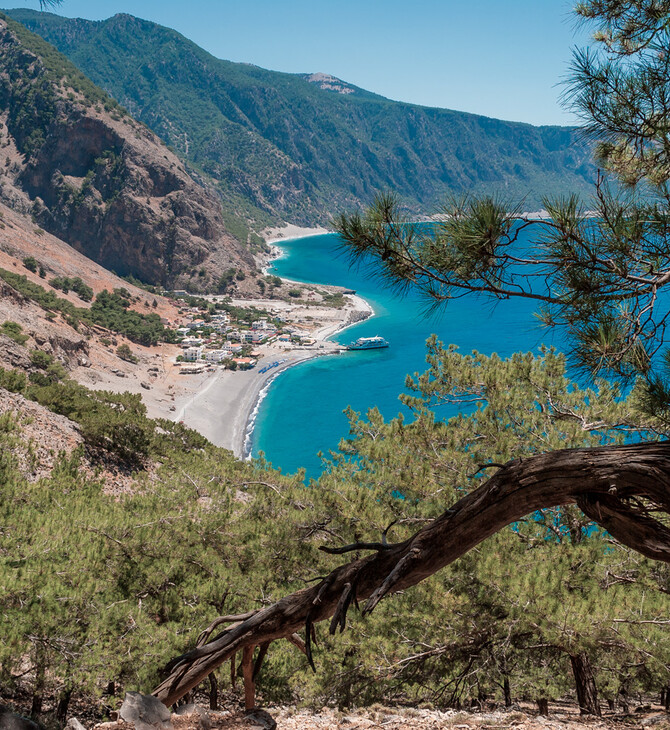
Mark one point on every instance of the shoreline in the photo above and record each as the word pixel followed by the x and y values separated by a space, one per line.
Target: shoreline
pixel 224 406
pixel 263 391
pixel 290 232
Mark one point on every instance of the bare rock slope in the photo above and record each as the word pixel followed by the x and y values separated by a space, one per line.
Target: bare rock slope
pixel 91 175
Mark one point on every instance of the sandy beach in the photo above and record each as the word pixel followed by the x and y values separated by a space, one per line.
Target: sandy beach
pixel 223 403
pixel 220 403
pixel 289 231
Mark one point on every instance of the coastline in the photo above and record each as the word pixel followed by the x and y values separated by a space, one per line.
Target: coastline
pixel 223 406
pixel 289 232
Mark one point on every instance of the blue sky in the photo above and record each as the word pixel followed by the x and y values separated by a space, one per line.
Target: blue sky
pixel 500 58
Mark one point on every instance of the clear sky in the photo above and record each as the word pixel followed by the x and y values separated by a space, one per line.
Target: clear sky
pixel 500 58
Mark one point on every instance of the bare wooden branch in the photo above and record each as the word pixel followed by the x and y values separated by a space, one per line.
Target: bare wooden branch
pixel 202 639
pixel 604 481
pixel 296 640
pixel 353 547
pixel 340 615
pixel 400 568
pixel 259 659
pixel 308 640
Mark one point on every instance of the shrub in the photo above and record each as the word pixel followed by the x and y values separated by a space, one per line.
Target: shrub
pixel 14 331
pixel 53 370
pixel 30 262
pixel 125 353
pixel 60 282
pixel 108 310
pixel 83 291
pixel 13 380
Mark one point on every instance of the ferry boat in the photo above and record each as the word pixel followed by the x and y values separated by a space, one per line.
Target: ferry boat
pixel 368 343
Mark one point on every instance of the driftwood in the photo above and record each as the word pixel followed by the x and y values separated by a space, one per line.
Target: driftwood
pixel 620 488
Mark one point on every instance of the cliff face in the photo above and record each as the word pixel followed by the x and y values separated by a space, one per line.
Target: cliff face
pixel 105 184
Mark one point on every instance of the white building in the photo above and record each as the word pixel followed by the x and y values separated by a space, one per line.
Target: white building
pixel 217 355
pixel 196 324
pixel 192 353
pixel 262 325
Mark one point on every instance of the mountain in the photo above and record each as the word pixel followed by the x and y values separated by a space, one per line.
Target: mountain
pixel 77 164
pixel 301 147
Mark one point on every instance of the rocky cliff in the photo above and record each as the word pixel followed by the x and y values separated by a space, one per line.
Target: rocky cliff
pixel 91 175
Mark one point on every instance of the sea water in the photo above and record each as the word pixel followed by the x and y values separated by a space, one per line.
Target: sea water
pixel 302 412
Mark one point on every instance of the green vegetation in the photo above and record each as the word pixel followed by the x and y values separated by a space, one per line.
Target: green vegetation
pixel 222 118
pixel 226 281
pixel 207 535
pixel 59 69
pixel 30 262
pixel 112 311
pixel 65 284
pixel 247 315
pixel 336 300
pixel 14 331
pixel 28 90
pixel 125 353
pixel 108 310
pixel 143 285
pixel 547 607
pixel 49 369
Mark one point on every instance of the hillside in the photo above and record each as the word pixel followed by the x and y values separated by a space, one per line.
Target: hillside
pixel 85 171
pixel 301 147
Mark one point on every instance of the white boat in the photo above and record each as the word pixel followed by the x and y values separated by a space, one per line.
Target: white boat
pixel 368 343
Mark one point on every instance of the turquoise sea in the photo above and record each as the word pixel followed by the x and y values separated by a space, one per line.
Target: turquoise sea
pixel 302 411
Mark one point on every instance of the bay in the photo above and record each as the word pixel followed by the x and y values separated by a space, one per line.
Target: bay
pixel 302 412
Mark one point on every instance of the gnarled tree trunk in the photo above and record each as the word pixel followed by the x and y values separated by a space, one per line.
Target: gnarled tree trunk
pixel 614 486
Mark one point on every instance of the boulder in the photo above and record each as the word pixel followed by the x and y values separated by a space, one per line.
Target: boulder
pixel 11 721
pixel 145 712
pixel 260 720
pixel 74 724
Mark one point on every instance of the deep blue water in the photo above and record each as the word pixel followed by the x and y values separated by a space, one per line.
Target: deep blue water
pixel 302 413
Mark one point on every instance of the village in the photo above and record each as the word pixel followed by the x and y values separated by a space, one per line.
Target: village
pixel 237 334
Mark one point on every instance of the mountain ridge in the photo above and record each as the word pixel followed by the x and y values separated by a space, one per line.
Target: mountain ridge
pixel 281 147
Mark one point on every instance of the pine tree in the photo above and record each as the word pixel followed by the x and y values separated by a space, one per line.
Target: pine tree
pixel 594 269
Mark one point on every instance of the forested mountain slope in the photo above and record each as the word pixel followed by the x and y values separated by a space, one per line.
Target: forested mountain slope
pixel 302 147
pixel 88 173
